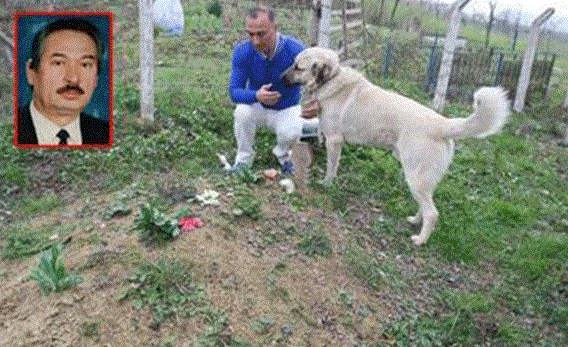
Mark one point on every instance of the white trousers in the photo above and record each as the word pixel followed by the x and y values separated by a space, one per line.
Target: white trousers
pixel 287 124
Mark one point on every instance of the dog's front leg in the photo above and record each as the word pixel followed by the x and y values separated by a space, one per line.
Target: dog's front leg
pixel 333 147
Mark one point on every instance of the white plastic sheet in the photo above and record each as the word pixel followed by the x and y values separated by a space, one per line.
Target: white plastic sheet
pixel 168 15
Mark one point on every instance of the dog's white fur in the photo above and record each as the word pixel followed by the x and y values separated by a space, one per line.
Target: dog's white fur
pixel 356 111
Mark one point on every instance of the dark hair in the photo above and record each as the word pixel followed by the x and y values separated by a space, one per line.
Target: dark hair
pixel 76 24
pixel 255 11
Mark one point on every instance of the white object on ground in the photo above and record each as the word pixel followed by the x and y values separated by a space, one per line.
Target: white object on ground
pixel 288 185
pixel 224 161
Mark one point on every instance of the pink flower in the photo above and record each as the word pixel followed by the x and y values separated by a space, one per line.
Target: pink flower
pixel 270 173
pixel 190 223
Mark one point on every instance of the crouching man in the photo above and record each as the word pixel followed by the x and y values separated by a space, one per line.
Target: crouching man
pixel 263 99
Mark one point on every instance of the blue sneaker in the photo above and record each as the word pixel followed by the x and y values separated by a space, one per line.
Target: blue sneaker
pixel 287 168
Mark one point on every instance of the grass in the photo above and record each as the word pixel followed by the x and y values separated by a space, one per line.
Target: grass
pixel 315 243
pixel 246 203
pixel 377 272
pixel 22 240
pixel 47 202
pixel 168 290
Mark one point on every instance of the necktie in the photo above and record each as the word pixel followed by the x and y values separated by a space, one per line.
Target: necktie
pixel 63 136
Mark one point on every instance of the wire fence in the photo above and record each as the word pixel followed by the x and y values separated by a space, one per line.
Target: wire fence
pixel 473 68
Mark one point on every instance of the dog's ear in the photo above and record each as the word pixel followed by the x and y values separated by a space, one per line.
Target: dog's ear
pixel 315 69
pixel 321 72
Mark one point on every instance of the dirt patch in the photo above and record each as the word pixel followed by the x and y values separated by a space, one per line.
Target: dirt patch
pixel 272 293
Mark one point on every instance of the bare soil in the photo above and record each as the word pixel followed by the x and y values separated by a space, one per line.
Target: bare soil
pixel 233 262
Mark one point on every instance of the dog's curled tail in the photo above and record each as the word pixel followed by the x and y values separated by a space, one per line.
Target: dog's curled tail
pixel 491 109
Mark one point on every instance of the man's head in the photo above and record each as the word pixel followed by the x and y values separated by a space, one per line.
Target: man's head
pixel 63 70
pixel 261 27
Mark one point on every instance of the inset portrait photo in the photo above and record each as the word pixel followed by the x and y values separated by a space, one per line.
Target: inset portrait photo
pixel 63 81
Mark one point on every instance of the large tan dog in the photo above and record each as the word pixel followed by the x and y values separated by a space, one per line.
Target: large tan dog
pixel 356 111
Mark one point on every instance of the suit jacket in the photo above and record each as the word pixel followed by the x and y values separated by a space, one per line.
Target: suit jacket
pixel 93 130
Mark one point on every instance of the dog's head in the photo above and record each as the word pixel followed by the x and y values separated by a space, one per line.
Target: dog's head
pixel 313 67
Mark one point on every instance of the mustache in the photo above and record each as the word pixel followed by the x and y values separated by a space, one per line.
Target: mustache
pixel 73 87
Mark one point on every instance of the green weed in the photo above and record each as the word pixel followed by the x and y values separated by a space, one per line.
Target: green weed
pixel 89 329
pixel 170 292
pixel 167 288
pixel 21 241
pixel 50 274
pixel 262 325
pixel 315 242
pixel 154 226
pixel 246 202
pixel 246 175
pixel 373 272
pixel 47 202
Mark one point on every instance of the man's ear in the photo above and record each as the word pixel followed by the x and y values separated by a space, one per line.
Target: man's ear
pixel 30 73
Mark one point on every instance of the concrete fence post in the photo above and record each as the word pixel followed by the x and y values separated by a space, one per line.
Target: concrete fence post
pixel 146 60
pixel 528 59
pixel 448 55
pixel 324 24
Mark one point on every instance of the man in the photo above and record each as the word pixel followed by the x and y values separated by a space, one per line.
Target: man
pixel 63 73
pixel 262 97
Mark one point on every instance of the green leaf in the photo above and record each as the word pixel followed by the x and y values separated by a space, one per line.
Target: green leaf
pixel 59 267
pixel 46 284
pixel 46 265
pixel 70 281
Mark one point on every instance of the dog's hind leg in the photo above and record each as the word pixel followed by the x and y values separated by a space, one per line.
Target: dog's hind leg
pixel 428 214
pixel 423 172
pixel 416 219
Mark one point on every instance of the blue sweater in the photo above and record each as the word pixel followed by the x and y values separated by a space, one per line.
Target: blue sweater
pixel 251 70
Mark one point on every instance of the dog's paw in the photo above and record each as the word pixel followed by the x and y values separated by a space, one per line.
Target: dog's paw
pixel 414 220
pixel 325 182
pixel 418 240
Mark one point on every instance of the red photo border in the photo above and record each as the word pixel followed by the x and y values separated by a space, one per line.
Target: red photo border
pixel 110 16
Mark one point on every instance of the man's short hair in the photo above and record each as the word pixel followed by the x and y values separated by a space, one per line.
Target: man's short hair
pixel 255 11
pixel 76 24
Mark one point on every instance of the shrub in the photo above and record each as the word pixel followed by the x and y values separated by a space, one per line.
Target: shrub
pixel 215 9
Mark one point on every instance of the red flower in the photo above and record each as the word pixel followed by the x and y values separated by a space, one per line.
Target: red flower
pixel 190 223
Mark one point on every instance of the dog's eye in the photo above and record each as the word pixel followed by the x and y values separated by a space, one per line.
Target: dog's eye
pixel 297 68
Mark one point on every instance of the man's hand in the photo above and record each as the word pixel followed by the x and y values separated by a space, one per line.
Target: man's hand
pixel 311 109
pixel 267 97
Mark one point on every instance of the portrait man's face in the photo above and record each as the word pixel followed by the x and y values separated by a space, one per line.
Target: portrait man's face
pixel 66 76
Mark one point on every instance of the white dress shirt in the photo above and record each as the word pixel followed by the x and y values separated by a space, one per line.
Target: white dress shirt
pixel 46 130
